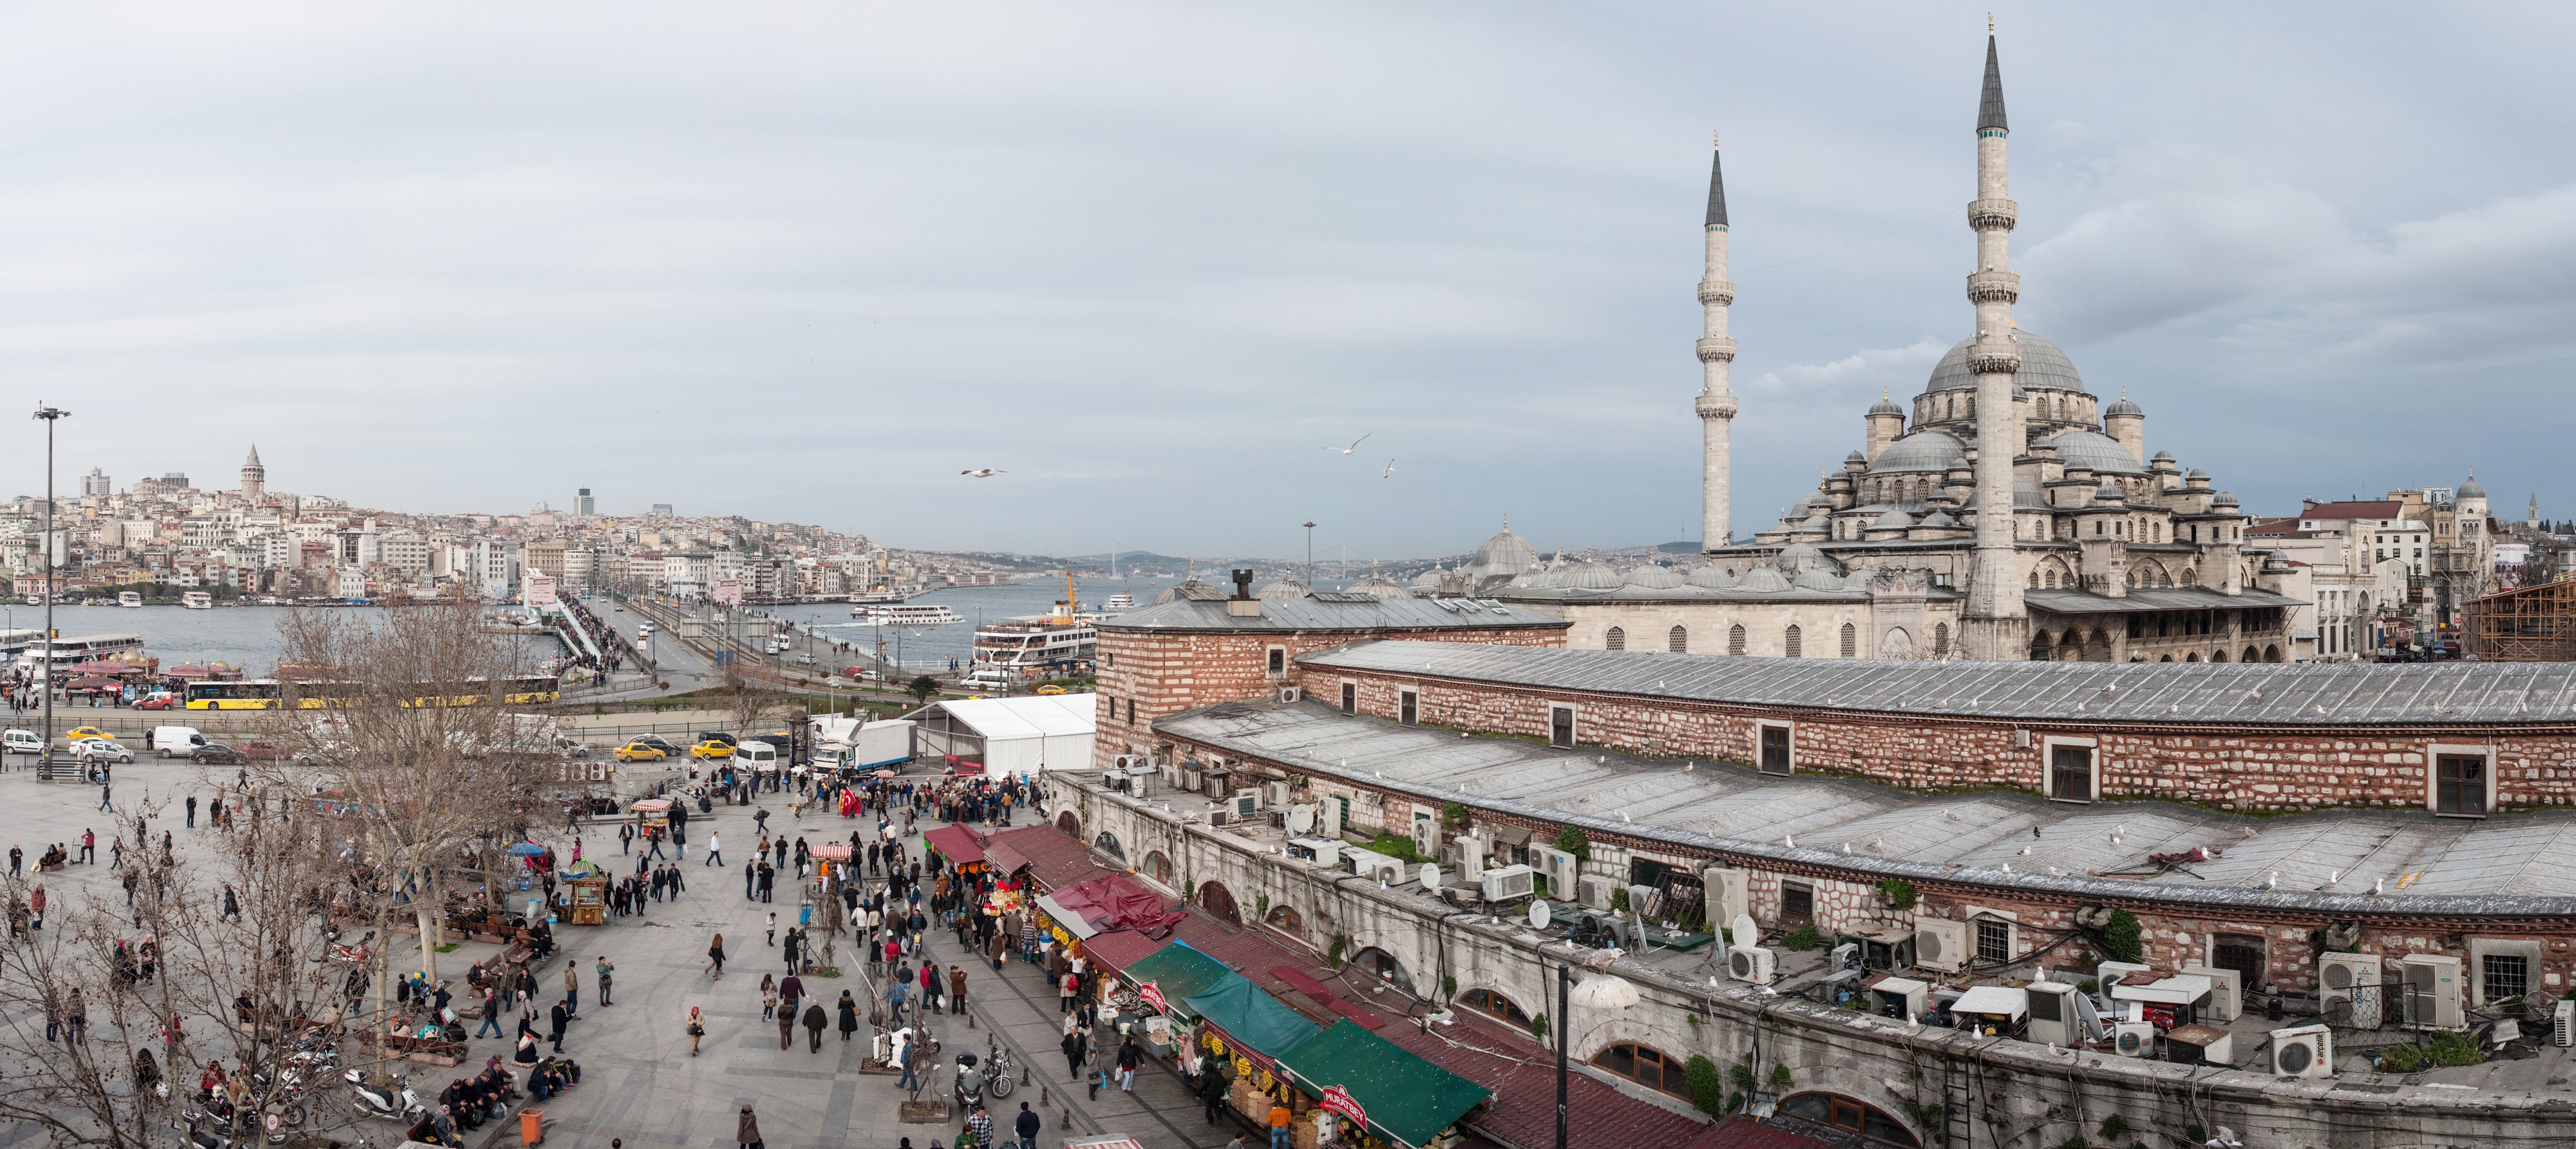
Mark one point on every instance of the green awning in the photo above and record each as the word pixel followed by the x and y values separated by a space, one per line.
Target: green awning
pixel 1406 1097
pixel 1255 1020
pixel 1179 972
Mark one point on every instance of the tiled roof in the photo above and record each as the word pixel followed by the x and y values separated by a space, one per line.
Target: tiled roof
pixel 1342 612
pixel 2375 509
pixel 1054 859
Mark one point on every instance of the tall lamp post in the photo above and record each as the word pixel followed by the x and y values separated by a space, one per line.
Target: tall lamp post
pixel 1310 554
pixel 50 415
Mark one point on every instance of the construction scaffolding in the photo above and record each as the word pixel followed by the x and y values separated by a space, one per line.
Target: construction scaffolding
pixel 2533 624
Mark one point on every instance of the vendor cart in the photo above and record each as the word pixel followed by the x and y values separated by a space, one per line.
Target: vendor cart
pixel 589 891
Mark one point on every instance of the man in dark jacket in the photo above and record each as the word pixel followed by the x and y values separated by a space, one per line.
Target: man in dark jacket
pixel 1072 1046
pixel 815 1022
pixel 1026 1126
pixel 1211 1091
pixel 558 1016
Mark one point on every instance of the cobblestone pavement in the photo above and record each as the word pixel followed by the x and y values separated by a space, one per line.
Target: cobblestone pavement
pixel 639 1082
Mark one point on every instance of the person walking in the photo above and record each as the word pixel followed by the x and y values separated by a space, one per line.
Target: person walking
pixel 746 1129
pixel 697 1028
pixel 715 957
pixel 625 837
pixel 768 997
pixel 1026 1127
pixel 715 850
pixel 816 1021
pixel 1073 1048
pixel 1211 1092
pixel 1129 1057
pixel 558 1017
pixel 572 990
pixel 606 970
pixel 849 1015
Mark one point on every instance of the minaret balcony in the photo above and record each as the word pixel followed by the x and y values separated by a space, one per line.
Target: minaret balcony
pixel 1717 291
pixel 1994 359
pixel 1986 213
pixel 1715 406
pixel 1717 349
pixel 1993 287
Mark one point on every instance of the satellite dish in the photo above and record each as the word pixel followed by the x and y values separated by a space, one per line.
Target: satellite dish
pixel 1538 918
pixel 1742 931
pixel 1301 820
pixel 1430 877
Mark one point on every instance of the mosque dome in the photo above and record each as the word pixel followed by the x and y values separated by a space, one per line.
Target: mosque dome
pixel 1817 522
pixel 1886 406
pixel 1895 517
pixel 1810 503
pixel 2161 457
pixel 2122 407
pixel 1286 587
pixel 2109 492
pixel 2223 500
pixel 1711 577
pixel 1764 577
pixel 1504 554
pixel 2469 489
pixel 1427 580
pixel 1940 519
pixel 1654 577
pixel 2026 497
pixel 1590 575
pixel 2042 365
pixel 2093 451
pixel 1804 557
pixel 1190 588
pixel 1376 587
pixel 1856 457
pixel 1817 580
pixel 1922 451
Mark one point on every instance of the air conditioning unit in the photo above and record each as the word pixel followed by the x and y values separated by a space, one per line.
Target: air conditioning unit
pixel 2432 991
pixel 1290 694
pixel 1724 891
pixel 1754 964
pixel 1278 819
pixel 1247 805
pixel 2348 992
pixel 1902 998
pixel 1506 882
pixel 2053 1020
pixel 1220 816
pixel 2305 1051
pixel 2227 995
pixel 1275 794
pixel 1940 944
pixel 1558 867
pixel 2562 1024
pixel 1596 889
pixel 2133 1038
pixel 1125 761
pixel 1118 782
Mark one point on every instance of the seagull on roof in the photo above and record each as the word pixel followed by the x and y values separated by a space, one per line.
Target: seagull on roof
pixel 983 472
pixel 1355 445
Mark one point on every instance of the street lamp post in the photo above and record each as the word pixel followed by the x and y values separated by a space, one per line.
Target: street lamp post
pixel 50 415
pixel 1564 1022
pixel 1310 554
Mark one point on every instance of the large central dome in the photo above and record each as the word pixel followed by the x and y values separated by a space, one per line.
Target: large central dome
pixel 2042 365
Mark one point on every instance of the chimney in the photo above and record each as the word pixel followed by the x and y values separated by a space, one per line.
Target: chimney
pixel 1243 605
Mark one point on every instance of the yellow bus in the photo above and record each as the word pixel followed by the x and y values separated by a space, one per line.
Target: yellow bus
pixel 265 693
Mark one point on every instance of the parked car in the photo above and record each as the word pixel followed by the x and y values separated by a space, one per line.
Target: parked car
pixel 218 754
pixel 657 742
pixel 22 741
pixel 711 748
pixel 260 751
pixel 100 750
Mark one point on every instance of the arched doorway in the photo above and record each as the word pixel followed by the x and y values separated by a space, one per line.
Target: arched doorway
pixel 1897 644
pixel 2040 647
pixel 2272 654
pixel 2252 655
pixel 1072 826
pixel 2218 656
pixel 1216 899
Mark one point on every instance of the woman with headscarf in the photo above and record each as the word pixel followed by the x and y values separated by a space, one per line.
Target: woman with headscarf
pixel 849 1015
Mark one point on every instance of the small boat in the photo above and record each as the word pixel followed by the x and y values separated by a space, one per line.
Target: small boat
pixel 132 598
pixel 195 600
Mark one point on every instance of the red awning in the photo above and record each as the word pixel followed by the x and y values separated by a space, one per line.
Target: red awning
pixel 1114 902
pixel 955 843
pixel 1298 979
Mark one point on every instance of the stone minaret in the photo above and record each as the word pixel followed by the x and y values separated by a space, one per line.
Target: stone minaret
pixel 1716 403
pixel 1996 622
pixel 254 476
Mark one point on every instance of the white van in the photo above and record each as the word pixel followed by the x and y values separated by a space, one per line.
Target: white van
pixel 22 742
pixel 174 741
pixel 760 756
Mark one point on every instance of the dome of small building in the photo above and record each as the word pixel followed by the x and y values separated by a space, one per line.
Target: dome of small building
pixel 1376 587
pixel 1190 588
pixel 2161 457
pixel 1817 523
pixel 1922 451
pixel 2042 366
pixel 1939 519
pixel 1804 557
pixel 2223 500
pixel 1856 457
pixel 2095 451
pixel 1886 406
pixel 2026 497
pixel 2122 408
pixel 2195 473
pixel 1810 503
pixel 1504 554
pixel 1817 580
pixel 1895 517
pixel 1764 577
pixel 1427 580
pixel 1591 575
pixel 1286 587
pixel 2469 489
pixel 2109 492
pixel 1654 577
pixel 1711 577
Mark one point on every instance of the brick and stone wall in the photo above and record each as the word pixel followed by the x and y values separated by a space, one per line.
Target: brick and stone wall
pixel 2254 769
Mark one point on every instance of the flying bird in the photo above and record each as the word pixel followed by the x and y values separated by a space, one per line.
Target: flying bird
pixel 1354 447
pixel 983 472
pixel 1389 472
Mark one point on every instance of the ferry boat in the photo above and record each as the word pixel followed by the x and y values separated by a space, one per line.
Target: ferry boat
pixel 905 614
pixel 892 594
pixel 1039 641
pixel 194 600
pixel 1119 603
pixel 130 598
pixel 35 656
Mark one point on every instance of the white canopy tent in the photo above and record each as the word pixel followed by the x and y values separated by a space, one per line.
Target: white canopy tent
pixel 1007 736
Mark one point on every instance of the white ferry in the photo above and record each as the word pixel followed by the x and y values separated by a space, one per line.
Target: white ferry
pixel 196 600
pixel 892 594
pixel 35 655
pixel 1119 603
pixel 905 614
pixel 1039 641
pixel 130 598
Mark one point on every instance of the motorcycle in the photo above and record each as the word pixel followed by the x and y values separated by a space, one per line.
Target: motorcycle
pixel 969 1087
pixel 997 1069
pixel 356 954
pixel 395 1103
pixel 196 1131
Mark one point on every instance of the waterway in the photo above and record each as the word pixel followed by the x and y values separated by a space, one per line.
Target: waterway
pixel 930 647
pixel 242 637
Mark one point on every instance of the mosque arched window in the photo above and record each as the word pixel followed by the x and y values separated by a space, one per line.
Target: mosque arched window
pixel 1677 640
pixel 1735 639
pixel 1789 642
pixel 1851 641
pixel 1617 639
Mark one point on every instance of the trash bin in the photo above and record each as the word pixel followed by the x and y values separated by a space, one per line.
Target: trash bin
pixel 532 1126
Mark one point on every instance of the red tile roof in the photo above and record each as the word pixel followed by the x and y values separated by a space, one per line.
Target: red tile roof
pixel 955 843
pixel 1745 1133
pixel 1055 860
pixel 2377 509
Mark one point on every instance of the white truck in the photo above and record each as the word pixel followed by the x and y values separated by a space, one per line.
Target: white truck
pixel 855 745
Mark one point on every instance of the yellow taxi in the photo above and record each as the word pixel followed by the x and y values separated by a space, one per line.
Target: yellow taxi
pixel 1050 688
pixel 712 748
pixel 81 732
pixel 639 752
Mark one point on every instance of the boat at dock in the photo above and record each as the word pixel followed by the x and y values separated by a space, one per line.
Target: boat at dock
pixel 1057 640
pixel 130 598
pixel 193 600
pixel 905 614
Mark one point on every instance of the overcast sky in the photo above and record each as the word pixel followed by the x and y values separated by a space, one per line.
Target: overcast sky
pixel 807 261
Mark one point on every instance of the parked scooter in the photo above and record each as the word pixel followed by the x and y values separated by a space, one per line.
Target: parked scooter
pixel 397 1103
pixel 969 1089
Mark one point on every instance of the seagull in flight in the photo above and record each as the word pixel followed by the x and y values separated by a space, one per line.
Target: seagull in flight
pixel 1389 472
pixel 983 472
pixel 1354 447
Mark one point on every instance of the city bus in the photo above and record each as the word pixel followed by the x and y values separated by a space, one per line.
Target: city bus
pixel 265 693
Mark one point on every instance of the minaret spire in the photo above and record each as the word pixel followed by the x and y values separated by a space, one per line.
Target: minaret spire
pixel 1716 402
pixel 1996 620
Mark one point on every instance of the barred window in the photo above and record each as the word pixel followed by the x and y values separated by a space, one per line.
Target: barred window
pixel 1677 640
pixel 1994 940
pixel 1789 642
pixel 1735 639
pixel 1617 639
pixel 2505 976
pixel 1851 641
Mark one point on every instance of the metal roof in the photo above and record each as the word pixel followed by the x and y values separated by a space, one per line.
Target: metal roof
pixel 1716 191
pixel 2152 598
pixel 2505 865
pixel 1340 612
pixel 1990 102
pixel 2145 693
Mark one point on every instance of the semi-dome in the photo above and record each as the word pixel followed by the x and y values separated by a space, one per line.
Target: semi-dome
pixel 1803 557
pixel 1922 451
pixel 1817 580
pixel 1810 503
pixel 2042 365
pixel 2093 451
pixel 1764 577
pixel 2026 497
pixel 1711 577
pixel 1817 522
pixel 1939 519
pixel 1376 587
pixel 1895 517
pixel 2469 489
pixel 1286 587
pixel 1590 575
pixel 1654 577
pixel 1504 554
